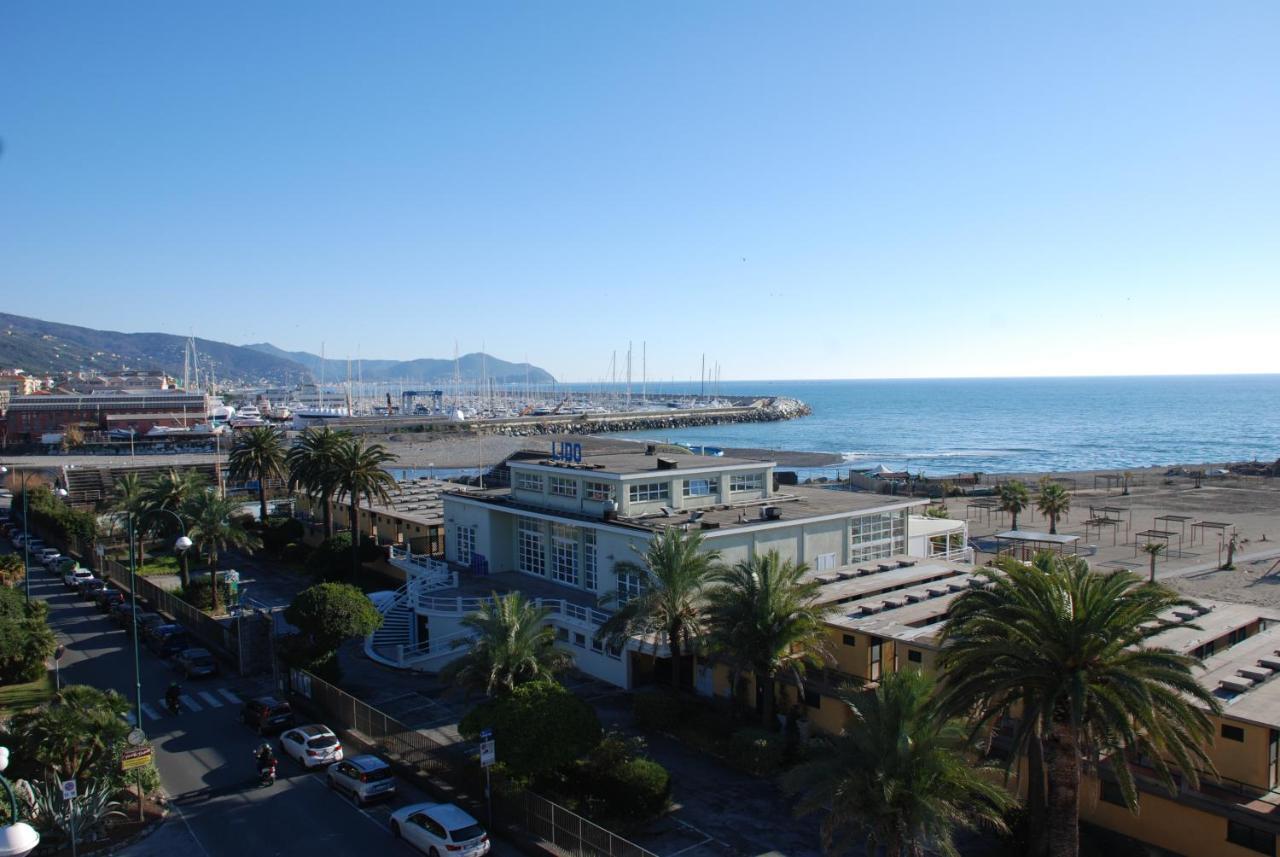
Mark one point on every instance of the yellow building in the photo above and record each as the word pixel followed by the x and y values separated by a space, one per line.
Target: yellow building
pixel 892 612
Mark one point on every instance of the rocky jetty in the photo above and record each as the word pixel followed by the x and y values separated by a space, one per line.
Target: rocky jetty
pixel 759 411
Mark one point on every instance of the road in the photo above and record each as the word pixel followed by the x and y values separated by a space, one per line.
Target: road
pixel 204 756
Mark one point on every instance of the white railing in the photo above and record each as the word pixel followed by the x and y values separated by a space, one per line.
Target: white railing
pixel 556 606
pixel 423 570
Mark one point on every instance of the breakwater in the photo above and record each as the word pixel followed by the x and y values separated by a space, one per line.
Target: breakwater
pixel 743 410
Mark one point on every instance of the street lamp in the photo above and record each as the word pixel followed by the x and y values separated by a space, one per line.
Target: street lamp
pixel 18 839
pixel 26 533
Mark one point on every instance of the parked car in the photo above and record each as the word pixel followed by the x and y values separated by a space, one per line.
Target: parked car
pixel 313 746
pixel 365 778
pixel 71 579
pixel 106 597
pixel 88 588
pixel 196 663
pixel 47 554
pixel 121 612
pixel 146 621
pixel 437 828
pixel 63 565
pixel 266 714
pixel 50 560
pixel 167 640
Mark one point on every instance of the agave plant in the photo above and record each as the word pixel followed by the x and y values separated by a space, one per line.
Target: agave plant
pixel 88 814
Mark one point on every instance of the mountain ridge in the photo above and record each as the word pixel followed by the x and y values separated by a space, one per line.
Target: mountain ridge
pixel 470 367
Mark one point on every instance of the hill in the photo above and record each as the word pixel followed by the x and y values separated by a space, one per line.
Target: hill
pixel 49 348
pixel 471 368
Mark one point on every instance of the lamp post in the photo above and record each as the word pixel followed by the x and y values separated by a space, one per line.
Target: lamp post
pixel 26 533
pixel 182 544
pixel 19 838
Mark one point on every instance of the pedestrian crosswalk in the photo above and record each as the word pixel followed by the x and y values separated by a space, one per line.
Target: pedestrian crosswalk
pixel 194 702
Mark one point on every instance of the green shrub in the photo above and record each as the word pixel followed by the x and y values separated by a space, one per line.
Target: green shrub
pixel 332 559
pixel 656 711
pixel 757 751
pixel 634 790
pixel 296 552
pixel 540 727
pixel 279 533
pixel 200 593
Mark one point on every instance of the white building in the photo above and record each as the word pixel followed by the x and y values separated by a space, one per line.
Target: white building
pixel 567 521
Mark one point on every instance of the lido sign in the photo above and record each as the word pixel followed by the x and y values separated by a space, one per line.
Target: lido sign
pixel 570 452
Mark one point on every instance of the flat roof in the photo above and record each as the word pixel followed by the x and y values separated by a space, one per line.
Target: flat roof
pixel 798 503
pixel 632 463
pixel 1036 536
pixel 869 579
pixel 1251 668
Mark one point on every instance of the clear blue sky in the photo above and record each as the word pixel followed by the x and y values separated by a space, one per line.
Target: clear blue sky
pixel 798 190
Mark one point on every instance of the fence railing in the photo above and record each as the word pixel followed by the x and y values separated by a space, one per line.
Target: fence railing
pixel 557 829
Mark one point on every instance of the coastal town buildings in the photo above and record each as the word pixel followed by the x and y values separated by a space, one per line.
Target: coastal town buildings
pixel 30 416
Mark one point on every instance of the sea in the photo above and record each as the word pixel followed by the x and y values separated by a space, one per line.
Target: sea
pixel 1010 425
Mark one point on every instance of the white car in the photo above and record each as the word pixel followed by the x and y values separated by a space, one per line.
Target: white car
pixel 365 778
pixel 439 828
pixel 314 746
pixel 73 577
pixel 48 557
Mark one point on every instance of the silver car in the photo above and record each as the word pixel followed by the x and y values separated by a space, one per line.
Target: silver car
pixel 365 778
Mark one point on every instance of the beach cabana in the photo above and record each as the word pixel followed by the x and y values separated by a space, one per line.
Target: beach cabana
pixel 1027 543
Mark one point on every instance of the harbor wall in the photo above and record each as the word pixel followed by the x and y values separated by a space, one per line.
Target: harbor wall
pixel 752 411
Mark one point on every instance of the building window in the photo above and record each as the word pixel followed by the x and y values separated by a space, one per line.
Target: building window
pixel 1206 650
pixel 529 547
pixel 579 640
pixel 1251 837
pixel 914 656
pixel 701 487
pixel 1239 635
pixel 613 650
pixel 597 644
pixel 599 491
pixel 650 492
pixel 1233 733
pixel 877 650
pixel 466 544
pixel 528 481
pixel 562 634
pixel 564 554
pixel 1110 792
pixel 876 536
pixel 629 586
pixel 739 482
pixel 589 559
pixel 850 640
pixel 561 487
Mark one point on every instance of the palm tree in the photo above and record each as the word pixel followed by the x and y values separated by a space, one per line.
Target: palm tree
pixel 1054 501
pixel 312 468
pixel 361 475
pixel 1153 550
pixel 215 528
pixel 1013 499
pixel 513 644
pixel 171 491
pixel 899 776
pixel 1072 651
pixel 765 617
pixel 672 601
pixel 258 455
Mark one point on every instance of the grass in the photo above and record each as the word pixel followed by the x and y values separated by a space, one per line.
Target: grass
pixel 19 697
pixel 158 564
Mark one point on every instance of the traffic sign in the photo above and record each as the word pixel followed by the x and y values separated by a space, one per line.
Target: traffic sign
pixel 68 789
pixel 488 753
pixel 136 737
pixel 135 757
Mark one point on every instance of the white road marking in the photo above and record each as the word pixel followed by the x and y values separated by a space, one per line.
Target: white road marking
pixel 149 711
pixel 350 803
pixel 210 699
pixel 229 696
pixel 191 703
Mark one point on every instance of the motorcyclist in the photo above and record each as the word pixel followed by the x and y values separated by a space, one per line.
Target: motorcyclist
pixel 171 696
pixel 264 757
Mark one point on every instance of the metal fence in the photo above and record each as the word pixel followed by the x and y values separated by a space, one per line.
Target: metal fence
pixel 551 825
pixel 225 640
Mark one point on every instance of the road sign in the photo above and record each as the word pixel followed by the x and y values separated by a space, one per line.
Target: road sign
pixel 68 789
pixel 135 757
pixel 59 652
pixel 488 753
pixel 136 737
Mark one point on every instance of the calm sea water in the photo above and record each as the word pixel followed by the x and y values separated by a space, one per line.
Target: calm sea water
pixel 1010 425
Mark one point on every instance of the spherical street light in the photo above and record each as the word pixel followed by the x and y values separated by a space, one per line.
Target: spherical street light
pixel 18 839
pixel 183 543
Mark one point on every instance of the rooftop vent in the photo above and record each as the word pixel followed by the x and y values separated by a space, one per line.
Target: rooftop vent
pixel 1270 663
pixel 650 449
pixel 1235 685
pixel 771 513
pixel 667 463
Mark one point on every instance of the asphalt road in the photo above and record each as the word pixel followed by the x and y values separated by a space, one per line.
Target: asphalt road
pixel 204 756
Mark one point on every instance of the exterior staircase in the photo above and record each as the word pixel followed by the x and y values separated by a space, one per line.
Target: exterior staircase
pixel 395 643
